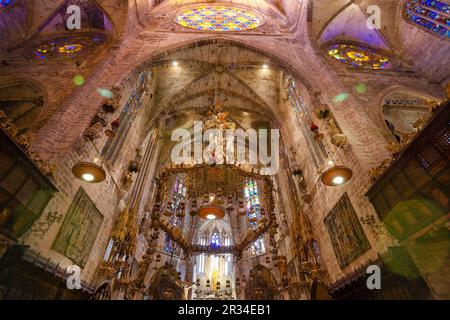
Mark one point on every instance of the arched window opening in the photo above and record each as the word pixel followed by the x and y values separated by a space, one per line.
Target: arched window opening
pixel 254 214
pixel 317 149
pixel 215 240
pixel 134 103
pixel 178 195
pixel 22 103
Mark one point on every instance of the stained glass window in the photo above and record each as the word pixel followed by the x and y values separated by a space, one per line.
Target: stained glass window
pixel 5 3
pixel 202 257
pixel 430 15
pixel 69 47
pixel 218 18
pixel 359 56
pixel 316 147
pixel 215 240
pixel 254 213
pixel 179 194
pixel 113 146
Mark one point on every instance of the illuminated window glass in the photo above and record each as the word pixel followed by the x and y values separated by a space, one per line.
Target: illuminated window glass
pixel 215 240
pixel 316 147
pixel 113 145
pixel 254 213
pixel 5 3
pixel 202 257
pixel 359 56
pixel 179 194
pixel 218 18
pixel 201 263
pixel 430 15
pixel 226 239
pixel 179 191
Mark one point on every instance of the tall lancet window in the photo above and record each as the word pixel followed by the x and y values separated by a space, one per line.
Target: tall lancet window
pixel 316 147
pixel 123 124
pixel 215 240
pixel 178 195
pixel 254 213
pixel 227 243
pixel 430 15
pixel 202 257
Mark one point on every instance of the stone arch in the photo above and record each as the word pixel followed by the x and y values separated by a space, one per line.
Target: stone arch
pixel 23 100
pixel 262 284
pixel 277 58
pixel 165 284
pixel 71 112
pixel 103 292
pixel 400 91
pixel 319 291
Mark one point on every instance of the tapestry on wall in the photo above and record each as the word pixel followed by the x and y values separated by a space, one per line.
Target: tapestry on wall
pixel 347 235
pixel 79 229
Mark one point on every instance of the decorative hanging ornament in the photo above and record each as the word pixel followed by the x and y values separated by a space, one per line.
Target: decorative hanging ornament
pixel 314 128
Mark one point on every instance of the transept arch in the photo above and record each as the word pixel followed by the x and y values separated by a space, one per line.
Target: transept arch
pixel 23 101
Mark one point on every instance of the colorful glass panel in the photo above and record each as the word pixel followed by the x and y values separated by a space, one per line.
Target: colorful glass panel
pixel 316 147
pixel 431 15
pixel 179 194
pixel 69 47
pixel 215 240
pixel 358 56
pixel 254 213
pixel 5 3
pixel 218 18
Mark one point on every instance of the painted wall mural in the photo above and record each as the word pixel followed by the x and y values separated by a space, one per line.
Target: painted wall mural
pixel 79 229
pixel 347 235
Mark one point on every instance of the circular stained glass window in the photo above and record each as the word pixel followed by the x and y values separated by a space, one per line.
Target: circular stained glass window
pixel 69 47
pixel 359 56
pixel 218 18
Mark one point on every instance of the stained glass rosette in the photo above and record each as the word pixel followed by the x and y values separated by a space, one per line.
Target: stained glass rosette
pixel 218 19
pixel 68 46
pixel 359 56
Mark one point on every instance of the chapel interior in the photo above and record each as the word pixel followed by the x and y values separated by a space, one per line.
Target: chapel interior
pixel 353 98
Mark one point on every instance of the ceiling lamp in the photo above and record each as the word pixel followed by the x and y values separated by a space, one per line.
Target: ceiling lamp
pixel 336 176
pixel 89 172
pixel 211 213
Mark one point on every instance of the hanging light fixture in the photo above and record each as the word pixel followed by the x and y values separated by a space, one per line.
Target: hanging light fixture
pixel 336 175
pixel 211 213
pixel 89 172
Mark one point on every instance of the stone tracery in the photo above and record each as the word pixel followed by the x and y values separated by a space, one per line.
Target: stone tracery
pixel 267 237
